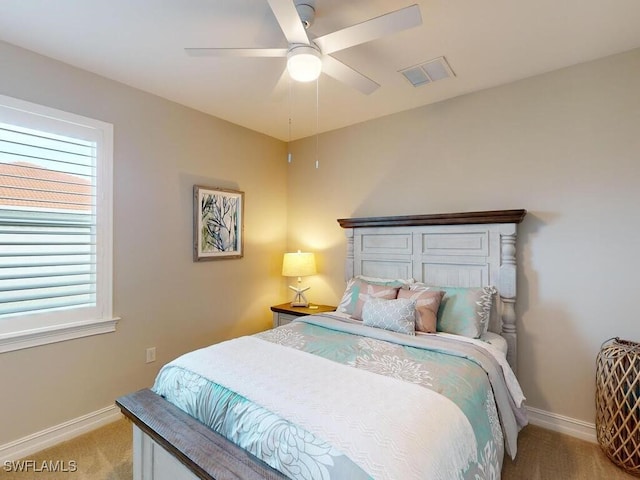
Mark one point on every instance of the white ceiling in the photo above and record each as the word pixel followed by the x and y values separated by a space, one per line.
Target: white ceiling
pixel 487 43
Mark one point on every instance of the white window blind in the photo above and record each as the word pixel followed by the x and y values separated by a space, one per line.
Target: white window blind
pixel 55 220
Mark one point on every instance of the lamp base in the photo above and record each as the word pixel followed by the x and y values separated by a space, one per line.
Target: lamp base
pixel 299 300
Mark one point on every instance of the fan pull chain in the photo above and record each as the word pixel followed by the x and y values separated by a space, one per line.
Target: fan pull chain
pixel 317 121
pixel 289 154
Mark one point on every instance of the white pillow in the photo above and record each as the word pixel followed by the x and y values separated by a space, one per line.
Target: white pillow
pixel 496 340
pixel 397 315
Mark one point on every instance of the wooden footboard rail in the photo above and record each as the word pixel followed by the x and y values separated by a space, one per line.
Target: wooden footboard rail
pixel 207 454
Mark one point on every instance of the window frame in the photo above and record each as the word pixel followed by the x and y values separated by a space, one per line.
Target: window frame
pixel 30 330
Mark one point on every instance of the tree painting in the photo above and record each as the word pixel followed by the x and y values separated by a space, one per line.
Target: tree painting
pixel 220 223
pixel 217 223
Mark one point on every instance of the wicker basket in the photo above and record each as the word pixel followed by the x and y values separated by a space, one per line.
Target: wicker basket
pixel 618 403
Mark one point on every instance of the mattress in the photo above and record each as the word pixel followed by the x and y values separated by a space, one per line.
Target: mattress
pixel 325 398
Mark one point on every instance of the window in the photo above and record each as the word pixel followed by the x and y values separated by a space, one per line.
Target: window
pixel 55 225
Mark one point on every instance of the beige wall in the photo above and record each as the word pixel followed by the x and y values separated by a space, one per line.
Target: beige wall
pixel 565 146
pixel 562 145
pixel 165 300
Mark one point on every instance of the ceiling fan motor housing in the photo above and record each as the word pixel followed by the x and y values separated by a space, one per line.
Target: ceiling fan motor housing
pixel 306 10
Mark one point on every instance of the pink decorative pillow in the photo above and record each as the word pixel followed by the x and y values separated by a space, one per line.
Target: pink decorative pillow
pixel 366 290
pixel 350 297
pixel 427 304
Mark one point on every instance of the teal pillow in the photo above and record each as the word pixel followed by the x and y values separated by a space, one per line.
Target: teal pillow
pixel 465 311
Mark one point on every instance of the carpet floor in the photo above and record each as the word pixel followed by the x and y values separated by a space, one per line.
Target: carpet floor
pixel 547 455
pixel 105 454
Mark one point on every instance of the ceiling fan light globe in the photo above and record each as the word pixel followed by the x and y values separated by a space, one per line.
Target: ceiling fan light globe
pixel 304 64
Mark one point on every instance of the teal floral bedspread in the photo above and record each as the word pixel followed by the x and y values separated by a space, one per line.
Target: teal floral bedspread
pixel 298 453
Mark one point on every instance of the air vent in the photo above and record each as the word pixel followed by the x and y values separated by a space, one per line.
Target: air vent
pixel 428 72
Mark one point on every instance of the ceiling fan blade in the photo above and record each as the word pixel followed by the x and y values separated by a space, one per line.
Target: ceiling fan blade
pixel 289 21
pixel 370 30
pixel 281 91
pixel 236 52
pixel 345 74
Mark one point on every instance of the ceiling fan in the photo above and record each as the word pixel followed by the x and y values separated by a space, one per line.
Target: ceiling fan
pixel 307 56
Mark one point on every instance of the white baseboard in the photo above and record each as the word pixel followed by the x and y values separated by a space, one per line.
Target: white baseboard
pixel 560 423
pixel 51 436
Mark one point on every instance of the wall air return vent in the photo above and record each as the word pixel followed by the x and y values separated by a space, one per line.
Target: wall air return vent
pixel 428 72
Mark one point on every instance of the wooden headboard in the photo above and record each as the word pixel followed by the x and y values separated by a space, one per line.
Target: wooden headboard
pixel 473 249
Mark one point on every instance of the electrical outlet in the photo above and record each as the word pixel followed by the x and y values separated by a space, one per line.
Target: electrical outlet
pixel 151 354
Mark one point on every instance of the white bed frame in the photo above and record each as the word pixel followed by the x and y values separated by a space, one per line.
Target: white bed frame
pixel 471 249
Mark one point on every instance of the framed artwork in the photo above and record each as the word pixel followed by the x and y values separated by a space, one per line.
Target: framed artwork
pixel 217 223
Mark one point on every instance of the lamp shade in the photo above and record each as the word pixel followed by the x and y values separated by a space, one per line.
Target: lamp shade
pixel 298 264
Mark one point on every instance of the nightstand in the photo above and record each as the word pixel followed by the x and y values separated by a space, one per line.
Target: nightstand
pixel 284 313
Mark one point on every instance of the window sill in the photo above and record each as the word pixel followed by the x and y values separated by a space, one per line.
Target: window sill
pixel 55 333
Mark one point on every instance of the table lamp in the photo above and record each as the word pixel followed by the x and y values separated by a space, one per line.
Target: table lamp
pixel 299 265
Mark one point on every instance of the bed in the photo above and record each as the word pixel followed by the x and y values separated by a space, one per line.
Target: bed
pixel 359 393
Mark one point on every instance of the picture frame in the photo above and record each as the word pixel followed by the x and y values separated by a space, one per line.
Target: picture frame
pixel 218 223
